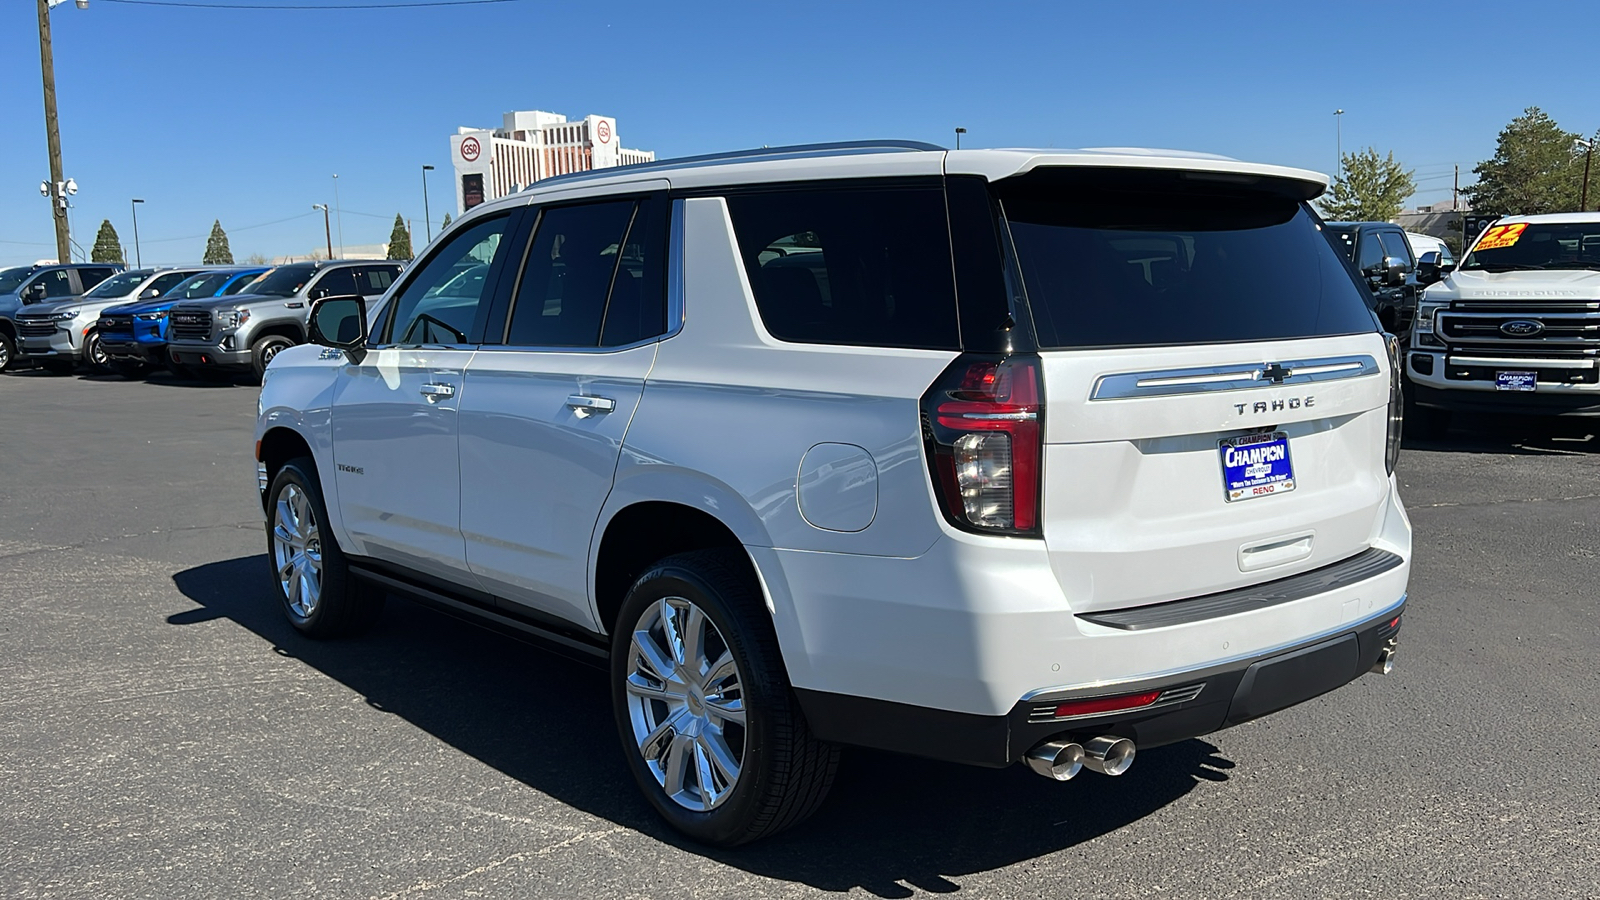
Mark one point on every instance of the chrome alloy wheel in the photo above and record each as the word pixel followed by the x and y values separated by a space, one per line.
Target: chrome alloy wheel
pixel 297 550
pixel 94 351
pixel 686 702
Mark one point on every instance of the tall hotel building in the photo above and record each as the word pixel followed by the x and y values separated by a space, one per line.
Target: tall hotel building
pixel 530 145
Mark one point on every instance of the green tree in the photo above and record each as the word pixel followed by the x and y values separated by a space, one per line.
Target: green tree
pixel 399 240
pixel 1370 188
pixel 217 252
pixel 256 259
pixel 107 248
pixel 446 222
pixel 1536 168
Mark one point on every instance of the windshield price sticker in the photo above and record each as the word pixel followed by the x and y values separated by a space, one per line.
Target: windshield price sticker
pixel 1256 465
pixel 1501 236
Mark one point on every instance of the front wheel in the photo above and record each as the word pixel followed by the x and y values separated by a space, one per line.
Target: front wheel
pixel 710 726
pixel 8 351
pixel 311 578
pixel 262 352
pixel 94 353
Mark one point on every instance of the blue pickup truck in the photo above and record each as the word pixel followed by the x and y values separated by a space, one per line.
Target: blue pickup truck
pixel 135 335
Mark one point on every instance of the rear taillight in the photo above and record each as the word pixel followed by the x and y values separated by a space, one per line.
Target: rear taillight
pixel 982 423
pixel 1391 453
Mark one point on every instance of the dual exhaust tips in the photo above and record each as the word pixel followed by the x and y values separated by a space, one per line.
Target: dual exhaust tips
pixel 1063 760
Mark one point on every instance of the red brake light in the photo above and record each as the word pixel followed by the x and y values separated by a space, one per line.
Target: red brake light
pixel 985 443
pixel 1106 704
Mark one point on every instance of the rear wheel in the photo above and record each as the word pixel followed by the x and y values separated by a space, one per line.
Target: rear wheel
pixel 8 351
pixel 710 726
pixel 94 352
pixel 262 352
pixel 309 573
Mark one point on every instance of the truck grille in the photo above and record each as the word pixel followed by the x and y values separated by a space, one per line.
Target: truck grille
pixel 35 327
pixel 1558 341
pixel 116 328
pixel 194 326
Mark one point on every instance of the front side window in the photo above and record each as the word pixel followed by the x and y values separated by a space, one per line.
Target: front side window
pixel 574 255
pixel 865 266
pixel 1395 247
pixel 1371 253
pixel 162 283
pixel 1536 245
pixel 440 302
pixel 339 282
pixel 56 284
pixel 1137 259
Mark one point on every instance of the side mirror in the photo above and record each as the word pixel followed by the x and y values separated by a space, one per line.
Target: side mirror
pixel 1429 271
pixel 340 323
pixel 34 293
pixel 1393 271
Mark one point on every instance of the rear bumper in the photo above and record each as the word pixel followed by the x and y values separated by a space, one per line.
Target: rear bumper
pixel 1222 695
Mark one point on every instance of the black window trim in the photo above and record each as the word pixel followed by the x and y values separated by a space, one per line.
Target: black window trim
pixel 649 203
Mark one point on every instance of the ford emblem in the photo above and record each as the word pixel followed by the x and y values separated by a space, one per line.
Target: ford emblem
pixel 1521 328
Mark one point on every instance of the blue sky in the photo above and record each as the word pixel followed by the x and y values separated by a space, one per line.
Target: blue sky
pixel 242 115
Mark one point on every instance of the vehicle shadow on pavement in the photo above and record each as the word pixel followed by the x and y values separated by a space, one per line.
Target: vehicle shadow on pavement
pixel 1512 435
pixel 891 824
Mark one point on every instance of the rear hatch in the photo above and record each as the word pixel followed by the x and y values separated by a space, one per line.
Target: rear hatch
pixel 1216 391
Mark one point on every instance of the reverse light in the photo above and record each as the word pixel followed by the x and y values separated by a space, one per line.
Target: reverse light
pixel 982 428
pixel 1107 704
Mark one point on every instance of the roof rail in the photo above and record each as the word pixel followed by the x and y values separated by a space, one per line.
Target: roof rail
pixel 794 151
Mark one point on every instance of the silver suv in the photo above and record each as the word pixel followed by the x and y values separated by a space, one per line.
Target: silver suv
pixel 992 456
pixel 242 333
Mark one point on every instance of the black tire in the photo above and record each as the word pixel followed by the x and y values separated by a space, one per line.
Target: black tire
pixel 344 605
pixel 59 367
pixel 127 369
pixel 785 772
pixel 95 358
pixel 8 351
pixel 263 350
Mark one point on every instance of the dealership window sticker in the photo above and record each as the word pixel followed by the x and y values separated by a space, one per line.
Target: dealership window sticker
pixel 1501 236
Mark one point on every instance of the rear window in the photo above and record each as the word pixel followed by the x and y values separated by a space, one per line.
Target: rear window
pixel 865 266
pixel 1136 260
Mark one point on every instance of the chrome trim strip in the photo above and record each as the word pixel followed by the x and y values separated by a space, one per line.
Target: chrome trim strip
pixel 1205 379
pixel 1069 691
pixel 1501 362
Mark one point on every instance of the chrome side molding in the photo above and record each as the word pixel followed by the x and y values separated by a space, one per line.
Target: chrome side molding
pixel 1206 379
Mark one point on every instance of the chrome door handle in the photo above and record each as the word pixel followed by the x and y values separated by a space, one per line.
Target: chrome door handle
pixel 586 405
pixel 436 392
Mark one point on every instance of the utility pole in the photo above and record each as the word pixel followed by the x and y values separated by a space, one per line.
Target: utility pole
pixel 427 217
pixel 52 129
pixel 326 231
pixel 1588 155
pixel 138 257
pixel 337 214
pixel 1455 191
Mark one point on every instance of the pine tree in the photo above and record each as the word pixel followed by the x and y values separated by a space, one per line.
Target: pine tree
pixel 399 240
pixel 107 248
pixel 1370 188
pixel 1536 169
pixel 446 222
pixel 217 252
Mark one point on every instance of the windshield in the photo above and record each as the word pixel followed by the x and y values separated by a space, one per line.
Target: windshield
pixel 203 285
pixel 118 285
pixel 1537 245
pixel 11 279
pixel 284 281
pixel 1156 262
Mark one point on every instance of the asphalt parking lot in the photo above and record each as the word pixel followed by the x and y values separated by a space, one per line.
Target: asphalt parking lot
pixel 166 734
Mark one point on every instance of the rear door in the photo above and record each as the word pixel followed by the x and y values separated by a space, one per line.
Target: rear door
pixel 547 406
pixel 1216 391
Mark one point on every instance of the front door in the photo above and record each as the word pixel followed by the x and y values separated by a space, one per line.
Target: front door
pixel 545 413
pixel 395 414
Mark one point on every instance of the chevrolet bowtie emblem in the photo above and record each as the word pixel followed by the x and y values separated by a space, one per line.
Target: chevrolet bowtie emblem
pixel 1276 373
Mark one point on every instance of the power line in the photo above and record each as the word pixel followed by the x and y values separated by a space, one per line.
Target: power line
pixel 195 237
pixel 319 7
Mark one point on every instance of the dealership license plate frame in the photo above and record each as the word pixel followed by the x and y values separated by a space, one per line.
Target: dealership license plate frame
pixel 1518 380
pixel 1239 484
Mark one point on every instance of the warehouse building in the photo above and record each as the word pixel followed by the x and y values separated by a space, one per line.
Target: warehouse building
pixel 531 145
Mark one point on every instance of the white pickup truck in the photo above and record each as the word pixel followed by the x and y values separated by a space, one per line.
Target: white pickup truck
pixel 1514 329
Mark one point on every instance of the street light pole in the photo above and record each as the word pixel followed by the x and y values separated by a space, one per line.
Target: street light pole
pixel 339 216
pixel 326 231
pixel 1338 145
pixel 52 129
pixel 427 217
pixel 137 256
pixel 959 133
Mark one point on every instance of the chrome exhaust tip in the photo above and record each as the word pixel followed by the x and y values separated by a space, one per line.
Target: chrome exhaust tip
pixel 1385 663
pixel 1056 760
pixel 1108 754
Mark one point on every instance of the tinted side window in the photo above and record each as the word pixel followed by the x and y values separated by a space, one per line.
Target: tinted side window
pixel 334 283
pixel 1370 252
pixel 1395 245
pixel 162 283
pixel 866 266
pixel 440 302
pixel 92 276
pixel 56 283
pixel 376 280
pixel 638 306
pixel 561 298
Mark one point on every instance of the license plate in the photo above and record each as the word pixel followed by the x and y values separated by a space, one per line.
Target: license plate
pixel 1515 381
pixel 1256 465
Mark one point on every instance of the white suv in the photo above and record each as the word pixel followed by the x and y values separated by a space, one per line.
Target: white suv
pixel 991 456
